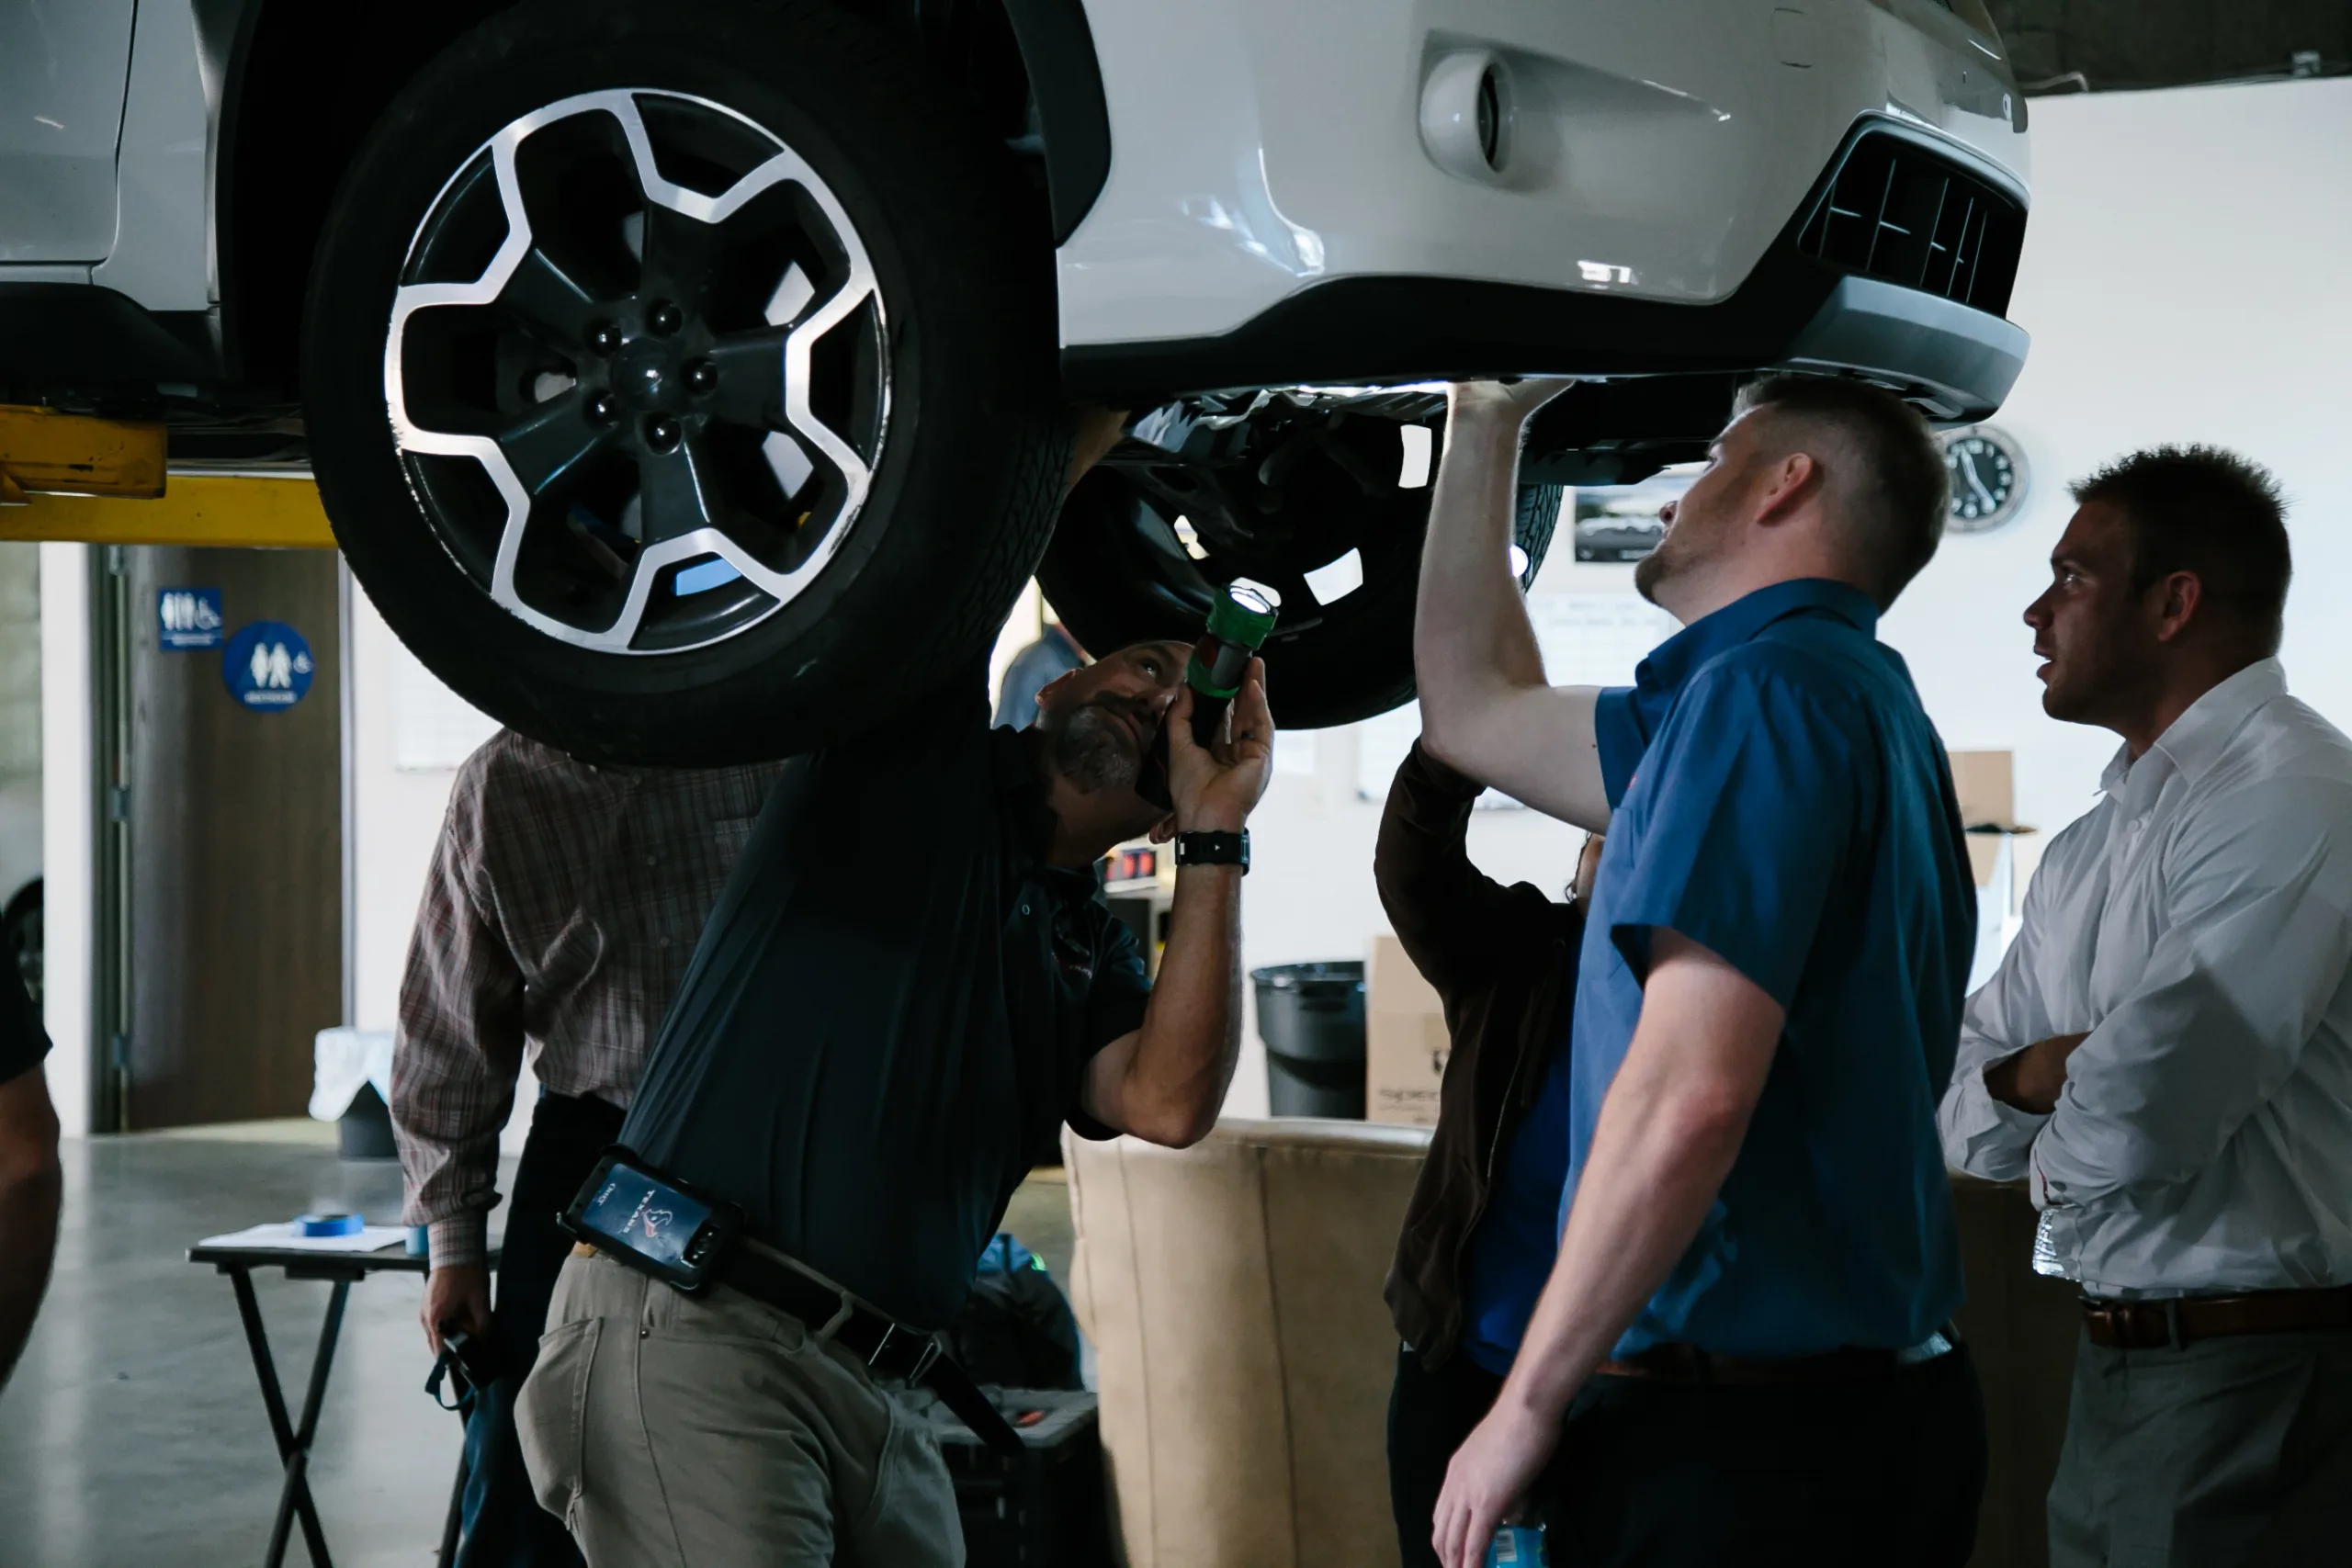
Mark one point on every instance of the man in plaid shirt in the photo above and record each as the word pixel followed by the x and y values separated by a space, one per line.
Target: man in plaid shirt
pixel 563 905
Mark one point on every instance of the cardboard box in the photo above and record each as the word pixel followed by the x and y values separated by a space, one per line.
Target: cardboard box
pixel 1391 984
pixel 1406 1041
pixel 1985 783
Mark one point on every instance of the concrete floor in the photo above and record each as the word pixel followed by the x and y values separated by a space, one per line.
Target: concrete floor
pixel 132 1431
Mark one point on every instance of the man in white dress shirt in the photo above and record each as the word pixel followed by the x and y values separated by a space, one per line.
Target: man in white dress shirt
pixel 2164 1055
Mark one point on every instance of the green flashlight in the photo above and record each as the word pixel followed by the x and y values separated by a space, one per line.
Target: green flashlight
pixel 1239 621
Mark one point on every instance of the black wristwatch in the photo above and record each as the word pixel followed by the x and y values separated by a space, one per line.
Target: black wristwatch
pixel 1214 849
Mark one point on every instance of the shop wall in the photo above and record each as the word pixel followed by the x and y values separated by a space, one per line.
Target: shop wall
pixel 66 826
pixel 2182 282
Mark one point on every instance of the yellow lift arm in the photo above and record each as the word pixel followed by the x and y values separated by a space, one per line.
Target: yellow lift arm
pixel 72 477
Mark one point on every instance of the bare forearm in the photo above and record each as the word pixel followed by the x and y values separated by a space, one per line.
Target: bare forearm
pixel 1486 708
pixel 1473 644
pixel 1191 1030
pixel 1658 1158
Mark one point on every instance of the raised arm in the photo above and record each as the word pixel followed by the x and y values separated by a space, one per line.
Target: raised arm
pixel 1454 920
pixel 1486 710
pixel 1165 1082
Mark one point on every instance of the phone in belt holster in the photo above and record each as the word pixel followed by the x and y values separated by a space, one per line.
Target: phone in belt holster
pixel 654 1223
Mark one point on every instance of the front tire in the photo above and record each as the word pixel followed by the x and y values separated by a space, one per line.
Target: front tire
pixel 680 378
pixel 1301 494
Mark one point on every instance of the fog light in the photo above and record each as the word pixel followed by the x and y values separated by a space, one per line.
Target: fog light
pixel 1466 115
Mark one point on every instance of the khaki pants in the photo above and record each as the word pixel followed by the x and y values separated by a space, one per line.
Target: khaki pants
pixel 717 1432
pixel 2232 1453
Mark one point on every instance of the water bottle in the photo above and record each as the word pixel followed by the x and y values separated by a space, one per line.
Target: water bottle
pixel 1516 1546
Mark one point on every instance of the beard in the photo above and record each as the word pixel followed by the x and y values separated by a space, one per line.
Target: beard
pixel 1093 751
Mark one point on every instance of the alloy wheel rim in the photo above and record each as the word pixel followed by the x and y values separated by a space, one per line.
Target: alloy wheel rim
pixel 637 371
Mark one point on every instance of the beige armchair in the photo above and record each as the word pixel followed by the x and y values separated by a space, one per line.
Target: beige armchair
pixel 1232 1293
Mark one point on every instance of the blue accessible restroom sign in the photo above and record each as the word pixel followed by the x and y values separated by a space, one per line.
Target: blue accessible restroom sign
pixel 267 665
pixel 188 619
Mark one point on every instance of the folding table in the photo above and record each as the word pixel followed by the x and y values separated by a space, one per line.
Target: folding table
pixel 342 1270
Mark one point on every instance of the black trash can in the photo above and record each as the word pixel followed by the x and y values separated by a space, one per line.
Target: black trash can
pixel 1311 1018
pixel 366 1130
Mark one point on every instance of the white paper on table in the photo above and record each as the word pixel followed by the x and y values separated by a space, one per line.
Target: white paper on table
pixel 281 1237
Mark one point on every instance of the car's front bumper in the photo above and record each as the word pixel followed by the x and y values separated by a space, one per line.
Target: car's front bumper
pixel 1272 217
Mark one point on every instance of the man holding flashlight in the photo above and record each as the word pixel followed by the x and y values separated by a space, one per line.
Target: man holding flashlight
pixel 910 986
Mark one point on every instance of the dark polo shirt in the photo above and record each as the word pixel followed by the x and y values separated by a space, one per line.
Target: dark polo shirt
pixel 887 1018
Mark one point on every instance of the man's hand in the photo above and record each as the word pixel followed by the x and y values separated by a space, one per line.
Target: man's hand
pixel 456 1296
pixel 1217 786
pixel 1488 709
pixel 1490 1474
pixel 2032 1079
pixel 1512 401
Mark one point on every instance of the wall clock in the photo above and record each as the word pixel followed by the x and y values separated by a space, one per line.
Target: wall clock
pixel 1988 477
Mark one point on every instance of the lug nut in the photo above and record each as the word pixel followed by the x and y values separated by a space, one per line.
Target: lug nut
pixel 665 318
pixel 604 338
pixel 603 408
pixel 701 375
pixel 661 435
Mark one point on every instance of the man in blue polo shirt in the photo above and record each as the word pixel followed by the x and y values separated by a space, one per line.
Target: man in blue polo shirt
pixel 1741 1353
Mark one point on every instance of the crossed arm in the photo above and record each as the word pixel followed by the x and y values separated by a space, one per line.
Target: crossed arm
pixel 2257 934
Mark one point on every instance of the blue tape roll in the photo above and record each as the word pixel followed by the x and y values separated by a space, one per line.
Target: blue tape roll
pixel 327 1225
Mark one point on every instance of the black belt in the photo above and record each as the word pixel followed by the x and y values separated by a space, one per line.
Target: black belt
pixel 889 1349
pixel 1677 1362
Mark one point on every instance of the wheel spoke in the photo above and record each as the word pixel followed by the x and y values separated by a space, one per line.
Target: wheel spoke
pixel 682 331
pixel 675 489
pixel 1300 608
pixel 551 441
pixel 751 378
pixel 549 303
pixel 680 253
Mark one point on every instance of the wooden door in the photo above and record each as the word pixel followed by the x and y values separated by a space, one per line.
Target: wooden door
pixel 233 957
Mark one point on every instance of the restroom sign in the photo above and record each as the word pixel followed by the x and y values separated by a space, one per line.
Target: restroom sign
pixel 268 666
pixel 188 619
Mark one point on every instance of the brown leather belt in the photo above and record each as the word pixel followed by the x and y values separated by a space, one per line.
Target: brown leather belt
pixel 1852 1363
pixel 2181 1321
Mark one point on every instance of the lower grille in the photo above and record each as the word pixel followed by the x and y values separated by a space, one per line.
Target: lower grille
pixel 1895 211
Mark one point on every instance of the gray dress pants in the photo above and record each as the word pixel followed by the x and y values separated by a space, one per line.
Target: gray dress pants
pixel 2230 1453
pixel 717 1432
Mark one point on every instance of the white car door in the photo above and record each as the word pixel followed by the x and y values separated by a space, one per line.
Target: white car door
pixel 63 65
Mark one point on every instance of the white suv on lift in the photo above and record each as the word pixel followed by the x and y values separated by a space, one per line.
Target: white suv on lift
pixel 685 380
